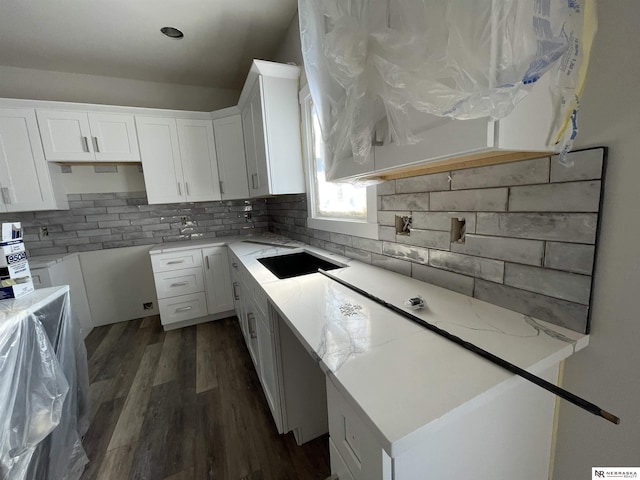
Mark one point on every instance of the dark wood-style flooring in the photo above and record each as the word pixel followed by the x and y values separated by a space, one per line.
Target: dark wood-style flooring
pixel 185 404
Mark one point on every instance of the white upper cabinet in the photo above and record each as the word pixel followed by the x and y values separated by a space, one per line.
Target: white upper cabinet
pixel 526 129
pixel 161 160
pixel 232 165
pixel 179 159
pixel 199 164
pixel 114 137
pixel 271 124
pixel 27 181
pixel 75 136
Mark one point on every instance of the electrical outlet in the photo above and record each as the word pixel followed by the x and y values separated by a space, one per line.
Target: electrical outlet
pixel 147 306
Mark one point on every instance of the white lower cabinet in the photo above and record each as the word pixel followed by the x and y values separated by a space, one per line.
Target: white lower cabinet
pixel 291 379
pixel 267 351
pixel 192 286
pixel 251 334
pixel 354 442
pixel 217 280
pixel 338 467
pixel 68 271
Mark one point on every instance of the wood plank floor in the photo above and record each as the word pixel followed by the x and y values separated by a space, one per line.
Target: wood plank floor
pixel 185 404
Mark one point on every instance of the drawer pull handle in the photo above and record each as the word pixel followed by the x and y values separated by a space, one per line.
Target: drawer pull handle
pixel 174 262
pixel 235 292
pixel 206 259
pixel 252 328
pixel 234 265
pixel 86 144
pixel 183 309
pixel 97 145
pixel 179 284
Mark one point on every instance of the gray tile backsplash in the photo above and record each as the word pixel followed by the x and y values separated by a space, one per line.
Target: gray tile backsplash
pixel 530 232
pixel 98 221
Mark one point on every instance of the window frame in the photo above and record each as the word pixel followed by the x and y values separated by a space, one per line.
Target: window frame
pixel 360 228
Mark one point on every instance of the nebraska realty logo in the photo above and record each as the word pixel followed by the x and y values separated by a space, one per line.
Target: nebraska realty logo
pixel 614 472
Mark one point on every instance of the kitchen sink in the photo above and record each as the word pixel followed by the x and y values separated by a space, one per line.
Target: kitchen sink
pixel 296 264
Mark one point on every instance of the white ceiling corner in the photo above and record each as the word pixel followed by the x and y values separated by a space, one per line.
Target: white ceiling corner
pixel 121 38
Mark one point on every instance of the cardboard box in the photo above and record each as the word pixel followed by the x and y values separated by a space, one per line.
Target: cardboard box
pixel 15 274
pixel 16 291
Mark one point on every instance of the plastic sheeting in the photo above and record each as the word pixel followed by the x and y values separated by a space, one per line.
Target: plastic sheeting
pixel 369 62
pixel 44 388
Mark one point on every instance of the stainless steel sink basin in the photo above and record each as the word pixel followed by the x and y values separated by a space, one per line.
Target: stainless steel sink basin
pixel 296 264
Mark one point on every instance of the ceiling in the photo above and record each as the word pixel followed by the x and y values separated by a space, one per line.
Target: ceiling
pixel 121 38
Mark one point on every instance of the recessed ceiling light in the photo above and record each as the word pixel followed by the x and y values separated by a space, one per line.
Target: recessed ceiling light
pixel 172 32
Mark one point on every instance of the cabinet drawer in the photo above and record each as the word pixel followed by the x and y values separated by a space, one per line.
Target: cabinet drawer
pixel 179 282
pixel 165 262
pixel 338 467
pixel 364 457
pixel 184 307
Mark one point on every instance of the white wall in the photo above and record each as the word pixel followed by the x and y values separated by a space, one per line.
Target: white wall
pixel 290 50
pixel 84 179
pixel 74 87
pixel 608 371
pixel 118 282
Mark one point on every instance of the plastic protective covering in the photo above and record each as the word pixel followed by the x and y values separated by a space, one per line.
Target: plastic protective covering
pixel 44 388
pixel 368 62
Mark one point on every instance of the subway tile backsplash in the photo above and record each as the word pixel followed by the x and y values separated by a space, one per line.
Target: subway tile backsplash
pixel 529 242
pixel 98 221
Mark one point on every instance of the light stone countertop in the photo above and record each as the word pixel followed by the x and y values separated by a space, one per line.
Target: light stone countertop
pixel 44 261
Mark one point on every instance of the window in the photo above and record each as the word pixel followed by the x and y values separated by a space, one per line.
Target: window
pixel 335 207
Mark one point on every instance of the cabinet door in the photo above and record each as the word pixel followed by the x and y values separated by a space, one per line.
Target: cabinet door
pixel 25 179
pixel 252 336
pixel 69 272
pixel 250 149
pixel 232 164
pixel 440 138
pixel 237 291
pixel 199 163
pixel 114 137
pixel 160 153
pixel 255 143
pixel 66 136
pixel 217 280
pixel 261 181
pixel 269 369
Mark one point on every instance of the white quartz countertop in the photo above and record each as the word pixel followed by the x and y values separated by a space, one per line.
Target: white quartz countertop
pixel 44 261
pixel 405 381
